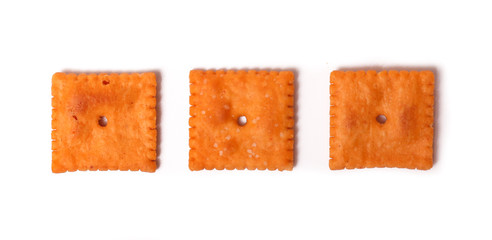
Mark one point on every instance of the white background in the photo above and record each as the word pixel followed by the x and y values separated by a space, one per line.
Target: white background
pixel 453 199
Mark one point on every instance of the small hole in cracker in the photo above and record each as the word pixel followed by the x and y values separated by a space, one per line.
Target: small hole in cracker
pixel 103 121
pixel 105 82
pixel 242 120
pixel 381 119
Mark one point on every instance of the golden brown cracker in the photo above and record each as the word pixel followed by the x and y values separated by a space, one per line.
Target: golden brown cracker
pixel 219 98
pixel 127 142
pixel 359 140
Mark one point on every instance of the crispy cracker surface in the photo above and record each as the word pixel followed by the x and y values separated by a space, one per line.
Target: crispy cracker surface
pixel 219 98
pixel 127 142
pixel 359 140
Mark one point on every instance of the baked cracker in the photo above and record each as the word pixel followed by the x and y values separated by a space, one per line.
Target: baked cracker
pixel 79 139
pixel 359 140
pixel 219 98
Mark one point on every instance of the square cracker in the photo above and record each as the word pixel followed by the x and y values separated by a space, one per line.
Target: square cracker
pixel 359 140
pixel 127 142
pixel 218 99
